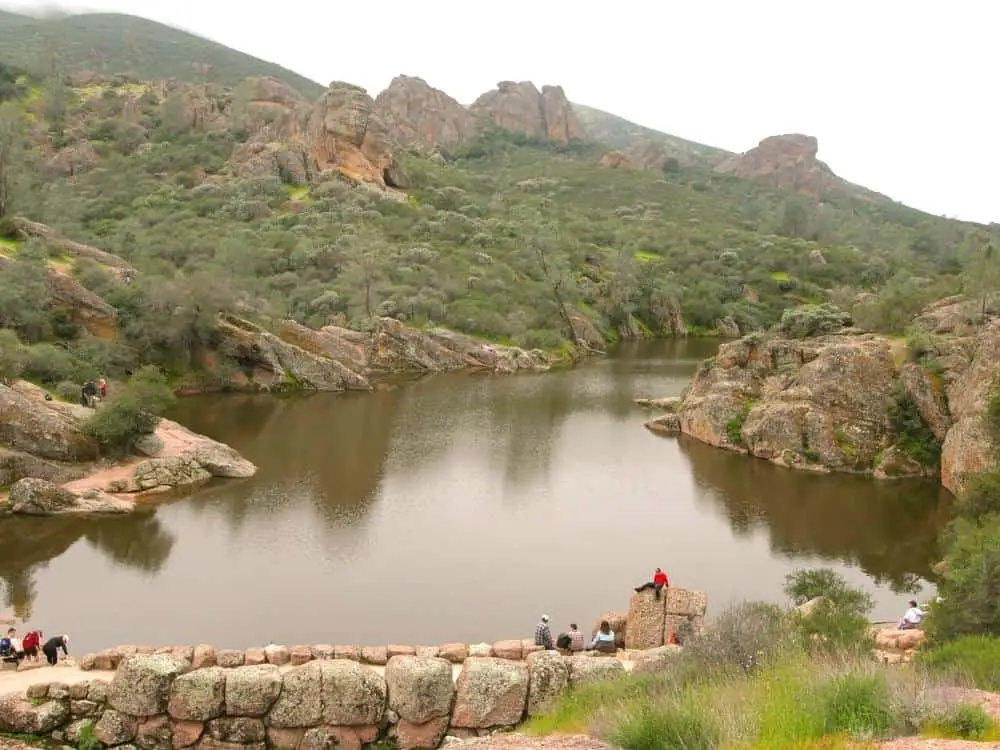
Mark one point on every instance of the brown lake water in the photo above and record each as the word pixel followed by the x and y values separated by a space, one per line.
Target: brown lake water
pixel 458 508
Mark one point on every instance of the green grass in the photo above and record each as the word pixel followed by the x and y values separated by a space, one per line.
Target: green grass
pixel 647 257
pixel 963 721
pixel 780 276
pixel 972 658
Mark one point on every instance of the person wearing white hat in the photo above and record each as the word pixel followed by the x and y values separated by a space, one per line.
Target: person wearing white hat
pixel 543 635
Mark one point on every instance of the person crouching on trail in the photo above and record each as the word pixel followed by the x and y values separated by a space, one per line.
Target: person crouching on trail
pixel 52 646
pixel 658 583
pixel 543 635
pixel 32 643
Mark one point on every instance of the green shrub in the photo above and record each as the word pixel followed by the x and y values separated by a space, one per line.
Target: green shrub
pixel 50 364
pixel 981 496
pixel 745 633
pixel 69 391
pixel 734 427
pixel 86 739
pixel 840 619
pixel 858 705
pixel 969 602
pixel 965 721
pixel 682 727
pixel 813 320
pixel 992 416
pixel 12 356
pixel 970 658
pixel 134 411
pixel 913 436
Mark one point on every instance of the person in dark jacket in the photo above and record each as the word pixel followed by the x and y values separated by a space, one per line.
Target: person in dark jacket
pixel 52 646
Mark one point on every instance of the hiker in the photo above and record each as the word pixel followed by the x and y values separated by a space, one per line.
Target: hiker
pixel 88 394
pixel 912 618
pixel 543 636
pixel 32 642
pixel 10 647
pixel 658 583
pixel 575 638
pixel 102 385
pixel 604 639
pixel 52 646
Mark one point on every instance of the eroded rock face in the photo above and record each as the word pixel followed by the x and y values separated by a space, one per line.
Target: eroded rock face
pixel 418 115
pixel 46 429
pixel 21 716
pixel 788 162
pixel 522 108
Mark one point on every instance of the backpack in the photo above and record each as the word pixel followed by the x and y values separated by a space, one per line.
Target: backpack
pixel 5 646
pixel 564 641
pixel 32 640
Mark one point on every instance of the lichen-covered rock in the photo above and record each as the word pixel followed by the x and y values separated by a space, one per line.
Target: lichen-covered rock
pixel 141 686
pixel 21 716
pixel 548 678
pixel 116 728
pixel 512 650
pixel 300 703
pixel 242 729
pixel 375 655
pixel 686 602
pixel 456 653
pixel 645 620
pixel 299 655
pixel 353 695
pixel 420 689
pixel 229 658
pixel 655 660
pixel 37 497
pixel 584 670
pixel 203 656
pixel 155 733
pixel 491 693
pixel 279 656
pixel 251 691
pixel 198 695
pixel 426 736
pixel 47 429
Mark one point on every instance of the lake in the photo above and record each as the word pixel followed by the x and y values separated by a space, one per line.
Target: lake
pixel 459 508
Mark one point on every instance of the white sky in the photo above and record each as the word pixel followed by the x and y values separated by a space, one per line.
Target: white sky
pixel 901 95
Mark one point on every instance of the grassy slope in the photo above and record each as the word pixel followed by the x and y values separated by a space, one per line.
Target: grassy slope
pixel 113 43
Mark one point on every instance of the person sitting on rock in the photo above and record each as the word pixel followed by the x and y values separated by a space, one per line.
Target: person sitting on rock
pixel 543 635
pixel 912 618
pixel 52 646
pixel 10 647
pixel 658 583
pixel 604 639
pixel 575 638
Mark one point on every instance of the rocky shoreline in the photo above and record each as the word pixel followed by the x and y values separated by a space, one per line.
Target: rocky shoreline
pixel 850 401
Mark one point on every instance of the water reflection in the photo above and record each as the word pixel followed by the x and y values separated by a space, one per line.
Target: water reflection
pixel 889 529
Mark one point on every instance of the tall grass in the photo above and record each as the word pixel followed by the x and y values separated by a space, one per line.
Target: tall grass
pixel 972 659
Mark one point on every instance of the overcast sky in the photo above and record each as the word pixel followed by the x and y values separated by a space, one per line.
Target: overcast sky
pixel 901 94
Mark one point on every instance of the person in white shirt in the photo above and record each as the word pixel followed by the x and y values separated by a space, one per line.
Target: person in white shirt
pixel 913 617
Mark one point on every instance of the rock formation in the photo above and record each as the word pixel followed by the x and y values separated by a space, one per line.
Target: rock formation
pixel 338 359
pixel 653 622
pixel 788 162
pixel 522 108
pixel 823 403
pixel 420 116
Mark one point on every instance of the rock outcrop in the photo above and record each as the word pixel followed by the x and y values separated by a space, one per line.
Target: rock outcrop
pixel 338 359
pixel 50 430
pixel 654 622
pixel 788 162
pixel 37 497
pixel 345 135
pixel 522 108
pixel 420 116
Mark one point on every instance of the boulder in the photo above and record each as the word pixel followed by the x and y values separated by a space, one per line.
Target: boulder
pixel 678 601
pixel 198 695
pixel 168 472
pixel 322 651
pixel 376 655
pixel 300 703
pixel 394 649
pixel 116 728
pixel 420 689
pixel 155 733
pixel 16 465
pixel 655 660
pixel 353 695
pixel 419 116
pixel 427 651
pixel 426 736
pixel 353 653
pixel 82 708
pixel 37 497
pixel 619 626
pixel 548 678
pixel 141 686
pixel 491 693
pixel 251 691
pixel 646 616
pixel 285 738
pixel 584 671
pixel 148 445
pixel 21 716
pixel 279 656
pixel 456 653
pixel 665 424
pixel 186 733
pixel 241 729
pixel 220 460
pixel 327 738
pixel 480 650
pixel 204 656
pixel 229 658
pixel 512 650
pixel 47 429
pixel 299 655
pixel 97 691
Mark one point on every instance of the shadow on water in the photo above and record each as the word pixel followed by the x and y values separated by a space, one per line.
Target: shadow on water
pixel 888 528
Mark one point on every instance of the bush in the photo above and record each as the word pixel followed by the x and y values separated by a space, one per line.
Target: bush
pixel 69 391
pixel 12 356
pixel 840 620
pixel 747 633
pixel 734 427
pixel 973 659
pixel 981 496
pixel 857 704
pixel 969 603
pixel 813 320
pixel 913 436
pixel 670 728
pixel 50 364
pixel 132 412
pixel 992 416
pixel 966 721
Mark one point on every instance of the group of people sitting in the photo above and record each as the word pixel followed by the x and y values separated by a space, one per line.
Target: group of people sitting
pixel 92 393
pixel 573 640
pixel 14 650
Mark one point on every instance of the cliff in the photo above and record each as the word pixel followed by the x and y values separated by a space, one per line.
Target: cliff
pixel 420 116
pixel 522 108
pixel 851 401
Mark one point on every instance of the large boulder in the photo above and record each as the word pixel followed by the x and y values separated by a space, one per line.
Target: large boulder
pixel 46 429
pixel 655 660
pixel 300 703
pixel 15 465
pixel 585 670
pixel 251 691
pixel 522 108
pixel 548 678
pixel 21 716
pixel 198 695
pixel 646 616
pixel 353 695
pixel 37 497
pixel 141 686
pixel 426 736
pixel 417 115
pixel 685 602
pixel 116 728
pixel 420 688
pixel 491 693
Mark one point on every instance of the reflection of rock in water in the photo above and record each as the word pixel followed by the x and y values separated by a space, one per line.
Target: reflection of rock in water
pixel 27 544
pixel 889 529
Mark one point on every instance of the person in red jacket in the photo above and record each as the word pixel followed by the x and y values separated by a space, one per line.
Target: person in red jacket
pixel 658 583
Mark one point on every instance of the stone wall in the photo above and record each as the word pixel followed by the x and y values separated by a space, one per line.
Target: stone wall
pixel 159 702
pixel 652 621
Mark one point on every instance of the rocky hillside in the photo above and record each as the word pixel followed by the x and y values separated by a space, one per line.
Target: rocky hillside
pixel 789 163
pixel 839 399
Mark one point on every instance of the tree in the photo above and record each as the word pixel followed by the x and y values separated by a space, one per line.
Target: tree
pixel 54 103
pixel 11 356
pixel 133 412
pixel 970 590
pixel 795 218
pixel 24 292
pixel 365 256
pixel 11 147
pixel 984 271
pixel 839 619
